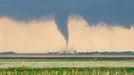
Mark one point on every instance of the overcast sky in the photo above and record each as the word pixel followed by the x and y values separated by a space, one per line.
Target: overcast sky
pixel 93 12
pixel 110 11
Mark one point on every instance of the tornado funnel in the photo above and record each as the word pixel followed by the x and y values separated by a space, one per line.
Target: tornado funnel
pixel 62 20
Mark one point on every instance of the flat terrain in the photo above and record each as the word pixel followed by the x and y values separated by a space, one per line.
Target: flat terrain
pixel 44 56
pixel 67 71
pixel 66 65
pixel 50 63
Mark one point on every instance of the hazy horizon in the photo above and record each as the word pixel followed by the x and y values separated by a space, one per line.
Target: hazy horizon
pixel 43 35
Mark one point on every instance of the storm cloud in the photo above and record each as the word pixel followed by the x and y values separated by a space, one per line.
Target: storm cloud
pixel 112 12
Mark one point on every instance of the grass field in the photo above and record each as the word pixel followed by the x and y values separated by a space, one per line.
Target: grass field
pixel 67 71
pixel 49 63
pixel 65 67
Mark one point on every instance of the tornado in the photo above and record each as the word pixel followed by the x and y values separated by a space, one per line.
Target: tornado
pixel 62 21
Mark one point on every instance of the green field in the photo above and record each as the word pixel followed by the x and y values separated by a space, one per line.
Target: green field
pixel 67 71
pixel 50 63
pixel 65 67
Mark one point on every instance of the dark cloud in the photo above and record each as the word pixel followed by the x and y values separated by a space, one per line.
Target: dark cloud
pixel 94 11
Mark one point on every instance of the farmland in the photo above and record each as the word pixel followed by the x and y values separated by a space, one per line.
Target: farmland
pixel 98 65
pixel 67 71
pixel 50 63
pixel 45 56
pixel 65 67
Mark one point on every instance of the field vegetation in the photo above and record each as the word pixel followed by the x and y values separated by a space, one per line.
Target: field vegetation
pixel 67 71
pixel 65 67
